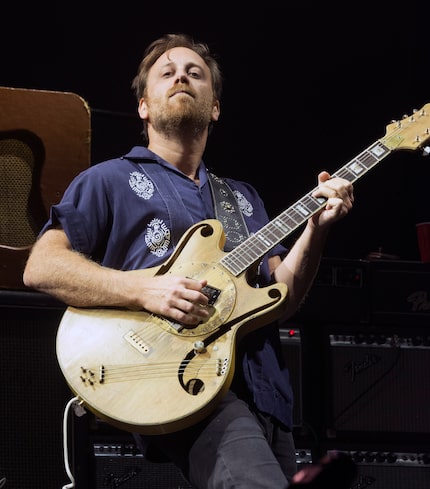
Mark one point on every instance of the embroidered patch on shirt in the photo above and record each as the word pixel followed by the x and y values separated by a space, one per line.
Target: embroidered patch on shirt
pixel 244 205
pixel 157 237
pixel 141 184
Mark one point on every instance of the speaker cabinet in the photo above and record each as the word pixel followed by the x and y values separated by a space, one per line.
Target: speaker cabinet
pixel 33 394
pixel 382 469
pixel 379 383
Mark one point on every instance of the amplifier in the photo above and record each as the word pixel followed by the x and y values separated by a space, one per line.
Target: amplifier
pixel 389 469
pixel 400 292
pixel 121 465
pixel 292 353
pixel 38 129
pixel 340 293
pixel 379 382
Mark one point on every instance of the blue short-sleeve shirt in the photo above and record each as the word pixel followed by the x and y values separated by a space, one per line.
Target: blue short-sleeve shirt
pixel 129 213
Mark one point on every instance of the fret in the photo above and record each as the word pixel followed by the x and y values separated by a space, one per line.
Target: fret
pixel 237 262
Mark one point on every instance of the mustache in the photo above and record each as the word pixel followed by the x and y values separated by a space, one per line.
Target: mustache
pixel 181 88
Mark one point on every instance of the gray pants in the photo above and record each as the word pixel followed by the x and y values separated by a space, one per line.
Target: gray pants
pixel 233 448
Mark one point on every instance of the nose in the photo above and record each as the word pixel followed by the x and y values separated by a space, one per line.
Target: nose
pixel 181 77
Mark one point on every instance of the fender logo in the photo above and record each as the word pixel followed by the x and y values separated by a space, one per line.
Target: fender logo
pixel 419 301
pixel 363 481
pixel 355 368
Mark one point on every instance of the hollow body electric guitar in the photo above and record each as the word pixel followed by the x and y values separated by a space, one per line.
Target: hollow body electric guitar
pixel 147 374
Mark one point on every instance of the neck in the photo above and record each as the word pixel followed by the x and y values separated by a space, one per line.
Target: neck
pixel 185 155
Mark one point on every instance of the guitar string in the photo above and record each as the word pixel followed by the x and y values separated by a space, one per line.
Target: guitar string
pixel 124 373
pixel 151 334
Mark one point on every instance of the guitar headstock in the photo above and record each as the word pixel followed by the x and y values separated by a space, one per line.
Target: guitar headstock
pixel 410 132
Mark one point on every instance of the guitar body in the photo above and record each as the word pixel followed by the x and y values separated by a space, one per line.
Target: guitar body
pixel 143 373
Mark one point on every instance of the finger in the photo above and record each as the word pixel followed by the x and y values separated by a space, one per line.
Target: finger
pixel 193 309
pixel 323 176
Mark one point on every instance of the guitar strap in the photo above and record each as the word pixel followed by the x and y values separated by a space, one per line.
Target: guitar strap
pixel 228 212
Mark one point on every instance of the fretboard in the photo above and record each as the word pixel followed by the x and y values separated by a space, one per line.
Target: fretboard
pixel 257 245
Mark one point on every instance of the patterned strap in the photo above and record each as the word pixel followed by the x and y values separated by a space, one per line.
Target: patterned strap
pixel 227 211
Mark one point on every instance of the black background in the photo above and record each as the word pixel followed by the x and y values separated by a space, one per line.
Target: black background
pixel 308 86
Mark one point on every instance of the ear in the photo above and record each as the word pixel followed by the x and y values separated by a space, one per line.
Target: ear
pixel 215 111
pixel 143 109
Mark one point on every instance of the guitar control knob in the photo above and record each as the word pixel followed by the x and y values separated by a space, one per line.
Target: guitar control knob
pixel 199 347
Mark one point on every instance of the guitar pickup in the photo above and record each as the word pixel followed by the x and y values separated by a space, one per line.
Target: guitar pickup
pixel 137 342
pixel 212 293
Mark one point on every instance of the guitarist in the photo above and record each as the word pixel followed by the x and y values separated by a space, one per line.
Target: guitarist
pixel 117 218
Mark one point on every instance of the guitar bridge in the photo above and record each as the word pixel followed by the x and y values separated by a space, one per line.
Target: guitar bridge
pixel 89 377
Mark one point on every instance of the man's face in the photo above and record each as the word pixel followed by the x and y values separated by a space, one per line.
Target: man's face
pixel 179 93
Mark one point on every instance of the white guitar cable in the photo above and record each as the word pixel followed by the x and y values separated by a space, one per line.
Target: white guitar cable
pixel 79 411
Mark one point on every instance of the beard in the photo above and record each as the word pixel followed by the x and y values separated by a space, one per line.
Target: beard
pixel 180 114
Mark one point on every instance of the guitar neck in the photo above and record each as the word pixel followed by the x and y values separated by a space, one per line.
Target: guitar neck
pixel 256 246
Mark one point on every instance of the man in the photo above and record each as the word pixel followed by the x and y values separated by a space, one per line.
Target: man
pixel 125 215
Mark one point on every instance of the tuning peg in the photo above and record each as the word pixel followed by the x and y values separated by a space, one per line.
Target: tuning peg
pixel 426 150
